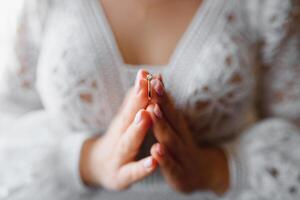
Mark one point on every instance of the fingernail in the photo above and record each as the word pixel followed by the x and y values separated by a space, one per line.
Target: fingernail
pixel 160 150
pixel 138 117
pixel 157 112
pixel 148 163
pixel 158 87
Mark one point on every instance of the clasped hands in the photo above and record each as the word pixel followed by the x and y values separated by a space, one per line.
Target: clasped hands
pixel 110 161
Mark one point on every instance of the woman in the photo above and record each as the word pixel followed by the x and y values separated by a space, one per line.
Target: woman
pixel 91 128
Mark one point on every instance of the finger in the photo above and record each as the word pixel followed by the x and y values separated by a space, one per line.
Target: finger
pixel 175 118
pixel 170 167
pixel 162 130
pixel 137 97
pixel 172 115
pixel 135 100
pixel 130 142
pixel 157 89
pixel 136 171
pixel 159 77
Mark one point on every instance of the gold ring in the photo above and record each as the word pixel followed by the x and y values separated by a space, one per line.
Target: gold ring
pixel 149 78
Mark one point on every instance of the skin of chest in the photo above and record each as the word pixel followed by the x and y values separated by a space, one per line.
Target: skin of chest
pixel 147 32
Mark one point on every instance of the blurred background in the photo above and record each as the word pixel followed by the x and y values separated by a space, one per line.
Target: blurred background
pixel 9 12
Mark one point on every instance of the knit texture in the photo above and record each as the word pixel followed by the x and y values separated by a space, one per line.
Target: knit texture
pixel 65 79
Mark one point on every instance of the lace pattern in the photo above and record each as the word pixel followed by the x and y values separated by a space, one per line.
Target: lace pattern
pixel 275 167
pixel 217 92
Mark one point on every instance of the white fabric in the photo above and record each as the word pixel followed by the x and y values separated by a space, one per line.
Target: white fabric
pixel 65 78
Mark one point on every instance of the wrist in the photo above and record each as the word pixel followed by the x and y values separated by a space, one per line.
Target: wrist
pixel 217 168
pixel 87 162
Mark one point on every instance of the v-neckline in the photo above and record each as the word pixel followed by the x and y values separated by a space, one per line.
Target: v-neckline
pixel 197 34
pixel 183 40
pixel 109 62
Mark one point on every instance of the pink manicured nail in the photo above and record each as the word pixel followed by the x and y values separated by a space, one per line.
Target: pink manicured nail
pixel 158 87
pixel 158 112
pixel 160 150
pixel 148 163
pixel 138 117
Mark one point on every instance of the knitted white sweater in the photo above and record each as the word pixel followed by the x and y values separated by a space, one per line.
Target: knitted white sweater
pixel 65 78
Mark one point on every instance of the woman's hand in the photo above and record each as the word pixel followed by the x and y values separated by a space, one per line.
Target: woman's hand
pixel 109 161
pixel 185 166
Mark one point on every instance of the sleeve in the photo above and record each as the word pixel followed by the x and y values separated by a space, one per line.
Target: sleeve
pixel 22 45
pixel 264 160
pixel 37 159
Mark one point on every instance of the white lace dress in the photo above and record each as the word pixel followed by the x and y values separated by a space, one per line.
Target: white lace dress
pixel 235 75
